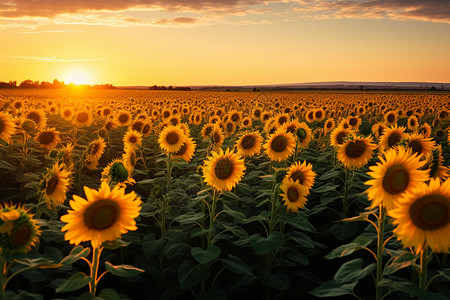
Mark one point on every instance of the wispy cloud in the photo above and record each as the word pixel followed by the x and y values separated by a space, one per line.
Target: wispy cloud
pixel 13 58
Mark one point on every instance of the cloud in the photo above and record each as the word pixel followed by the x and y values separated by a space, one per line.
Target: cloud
pixel 44 59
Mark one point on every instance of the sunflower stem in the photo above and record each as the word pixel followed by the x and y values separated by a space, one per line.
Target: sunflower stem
pixel 294 157
pixel 423 269
pixel 344 198
pixel 212 214
pixel 3 275
pixel 94 271
pixel 380 249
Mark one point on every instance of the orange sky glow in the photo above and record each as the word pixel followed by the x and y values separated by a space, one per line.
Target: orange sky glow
pixel 224 42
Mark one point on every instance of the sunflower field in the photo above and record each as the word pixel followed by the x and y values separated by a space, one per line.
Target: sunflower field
pixel 219 195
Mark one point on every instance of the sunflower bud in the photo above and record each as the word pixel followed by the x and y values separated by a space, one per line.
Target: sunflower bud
pixel 301 133
pixel 118 172
pixel 28 125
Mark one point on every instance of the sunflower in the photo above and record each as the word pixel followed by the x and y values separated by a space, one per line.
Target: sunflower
pixel 413 123
pixel 423 217
pixel 171 138
pixel 129 158
pixel 235 116
pixel 38 116
pixel 186 151
pixel 435 164
pixel 206 131
pixel 174 120
pixel 18 105
pixel 54 185
pixel 390 118
pixel 249 143
pixel 7 127
pixel 185 128
pixel 391 137
pixel 48 138
pixel 256 114
pixel 103 216
pixel 96 149
pixel 309 116
pixel 328 126
pixel 378 128
pixel 337 136
pixel 303 135
pixel 319 114
pixel 146 129
pixel 67 114
pixel 425 130
pixel 132 138
pixel 123 118
pixel 91 163
pixel 281 119
pixel 222 170
pixel 217 136
pixel 301 173
pixel 246 122
pixel 265 115
pixel 106 111
pixel 118 173
pixel 18 230
pixel 137 125
pixel 356 152
pixel 292 126
pixel 354 123
pixel 83 118
pixel 420 145
pixel 229 127
pixel 293 195
pixel 397 174
pixel 280 145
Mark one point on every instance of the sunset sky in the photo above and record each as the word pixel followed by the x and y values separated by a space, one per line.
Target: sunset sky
pixel 224 42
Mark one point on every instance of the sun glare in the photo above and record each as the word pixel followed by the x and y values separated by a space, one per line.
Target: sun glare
pixel 77 77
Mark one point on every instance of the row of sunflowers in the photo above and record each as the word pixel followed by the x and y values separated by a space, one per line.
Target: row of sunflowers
pixel 213 195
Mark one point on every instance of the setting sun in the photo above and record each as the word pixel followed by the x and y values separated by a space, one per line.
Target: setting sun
pixel 77 77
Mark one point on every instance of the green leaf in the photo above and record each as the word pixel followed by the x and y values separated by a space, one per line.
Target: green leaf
pixel 75 282
pixel 74 255
pixel 268 178
pixel 41 263
pixel 403 286
pixel 189 218
pixel 205 256
pixel 236 265
pixel 342 231
pixel 351 271
pixel 325 188
pixel 112 245
pixel 262 245
pixel 329 174
pixel 301 239
pixel 404 260
pixel 108 294
pixel 333 288
pixel 123 270
pixel 233 213
pixel 277 281
pixel 150 246
pixel 190 275
pixel 6 166
pixel 344 250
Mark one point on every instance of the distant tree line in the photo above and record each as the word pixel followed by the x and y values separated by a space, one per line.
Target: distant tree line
pixel 169 88
pixel 56 84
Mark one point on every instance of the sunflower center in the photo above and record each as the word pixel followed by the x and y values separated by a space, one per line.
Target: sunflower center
pixel 172 138
pixel 413 122
pixel 208 131
pixel 396 179
pixel 102 214
pixel 353 121
pixel 174 121
pixel 301 134
pixel 118 172
pixel 355 149
pixel 282 120
pixel 146 129
pixel 82 117
pixel 123 118
pixel 318 114
pixel 20 236
pixel 380 130
pixel 311 115
pixel 133 139
pixel 18 105
pixel 257 113
pixel 182 150
pixel 234 117
pixel 248 141
pixel 391 118
pixel 106 111
pixel 224 168
pixel 46 137
pixel 51 185
pixel 67 113
pixel 216 137
pixel 394 139
pixel 137 126
pixel 430 212
pixel 246 122
pixel 229 127
pixel 279 143
pixel 292 194
pixel 298 175
pixel 340 137
pixel 34 116
pixel 2 125
pixel 416 147
pixel 329 124
pixel 95 148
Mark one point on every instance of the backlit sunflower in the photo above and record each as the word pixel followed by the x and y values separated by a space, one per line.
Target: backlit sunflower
pixel 132 139
pixel 294 195
pixel 356 152
pixel 83 118
pixel 328 126
pixel 48 138
pixel 7 127
pixel 246 122
pixel 18 230
pixel 425 130
pixel 390 118
pixel 303 135
pixel 222 170
pixel 54 185
pixel 217 136
pixel 378 128
pixel 171 138
pixel 280 145
pixel 354 123
pixel 256 114
pixel 337 136
pixel 123 118
pixel 435 164
pixel 423 217
pixel 301 173
pixel 280 120
pixel 413 123
pixel 229 127
pixel 235 116
pixel 67 114
pixel 96 149
pixel 186 151
pixel 292 126
pixel 310 116
pixel 391 137
pixel 397 174
pixel 420 145
pixel 116 172
pixel 38 116
pixel 319 114
pixel 146 129
pixel 129 158
pixel 103 216
pixel 249 143
pixel 137 125
pixel 206 131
